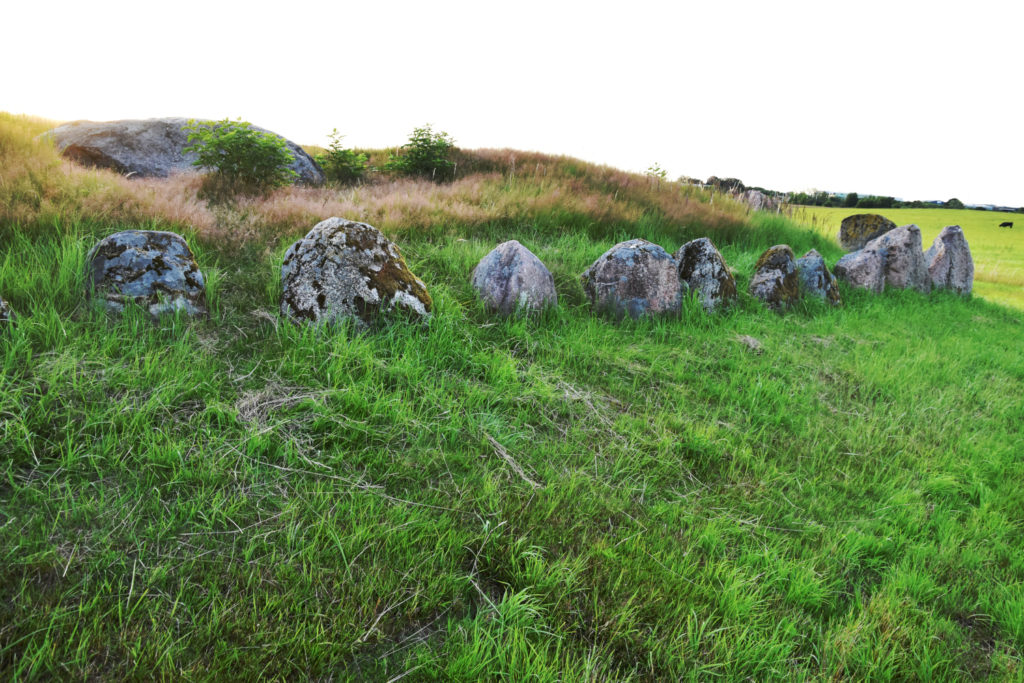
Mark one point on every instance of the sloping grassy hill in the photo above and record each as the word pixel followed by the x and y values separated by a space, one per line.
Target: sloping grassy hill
pixel 558 498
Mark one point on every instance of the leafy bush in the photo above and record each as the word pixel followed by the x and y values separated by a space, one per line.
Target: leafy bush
pixel 426 154
pixel 340 164
pixel 243 159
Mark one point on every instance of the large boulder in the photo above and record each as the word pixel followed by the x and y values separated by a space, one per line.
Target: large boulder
pixel 759 201
pixel 153 269
pixel 950 265
pixel 893 260
pixel 857 230
pixel 6 314
pixel 343 269
pixel 775 281
pixel 149 147
pixel 633 278
pixel 703 273
pixel 816 279
pixel 864 269
pixel 511 279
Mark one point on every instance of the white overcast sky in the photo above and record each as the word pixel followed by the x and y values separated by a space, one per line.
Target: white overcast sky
pixel 921 100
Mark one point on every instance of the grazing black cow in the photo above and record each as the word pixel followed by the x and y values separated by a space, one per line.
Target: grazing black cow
pixel 1006 224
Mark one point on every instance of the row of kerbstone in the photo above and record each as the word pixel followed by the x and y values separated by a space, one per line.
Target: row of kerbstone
pixel 638 278
pixel 344 269
pixel 884 255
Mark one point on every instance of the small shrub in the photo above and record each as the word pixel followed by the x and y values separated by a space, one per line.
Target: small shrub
pixel 340 164
pixel 242 159
pixel 426 155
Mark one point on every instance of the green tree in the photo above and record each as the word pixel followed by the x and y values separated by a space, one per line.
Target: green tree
pixel 341 164
pixel 954 203
pixel 850 200
pixel 426 154
pixel 244 159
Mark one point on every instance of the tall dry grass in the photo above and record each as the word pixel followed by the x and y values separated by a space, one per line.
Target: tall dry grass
pixel 39 188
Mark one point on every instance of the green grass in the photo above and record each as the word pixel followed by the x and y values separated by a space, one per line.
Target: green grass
pixel 556 498
pixel 998 252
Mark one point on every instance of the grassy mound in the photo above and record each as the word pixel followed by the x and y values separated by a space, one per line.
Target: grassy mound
pixel 559 498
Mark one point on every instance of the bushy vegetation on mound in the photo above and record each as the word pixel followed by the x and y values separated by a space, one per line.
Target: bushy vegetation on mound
pixel 552 498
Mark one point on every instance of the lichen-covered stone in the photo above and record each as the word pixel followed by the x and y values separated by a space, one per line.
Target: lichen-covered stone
pixel 950 265
pixel 816 279
pixel 775 281
pixel 703 273
pixel 857 230
pixel 343 269
pixel 512 279
pixel 634 278
pixel 153 269
pixel 6 314
pixel 893 260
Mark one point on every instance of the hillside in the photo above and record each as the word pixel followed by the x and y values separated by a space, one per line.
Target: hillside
pixel 562 497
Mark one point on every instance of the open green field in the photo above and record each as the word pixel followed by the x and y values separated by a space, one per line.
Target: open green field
pixel 998 252
pixel 559 498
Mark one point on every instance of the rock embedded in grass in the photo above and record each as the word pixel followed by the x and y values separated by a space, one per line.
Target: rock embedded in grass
pixel 6 314
pixel 703 273
pixel 857 230
pixel 343 269
pixel 816 279
pixel 950 265
pixel 635 278
pixel 775 281
pixel 150 268
pixel 512 279
pixel 150 147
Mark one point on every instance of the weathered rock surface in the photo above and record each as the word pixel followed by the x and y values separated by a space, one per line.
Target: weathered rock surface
pixel 864 268
pixel 633 278
pixel 153 269
pixel 775 281
pixel 343 269
pixel 950 265
pixel 893 260
pixel 6 314
pixel 857 230
pixel 511 279
pixel 149 147
pixel 905 266
pixel 703 273
pixel 758 201
pixel 816 279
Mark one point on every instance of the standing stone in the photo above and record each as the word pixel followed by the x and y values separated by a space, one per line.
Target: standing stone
pixel 510 279
pixel 857 230
pixel 758 201
pixel 775 281
pixel 6 314
pixel 816 280
pixel 864 269
pixel 153 269
pixel 633 278
pixel 343 269
pixel 905 266
pixel 950 265
pixel 703 273
pixel 893 260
